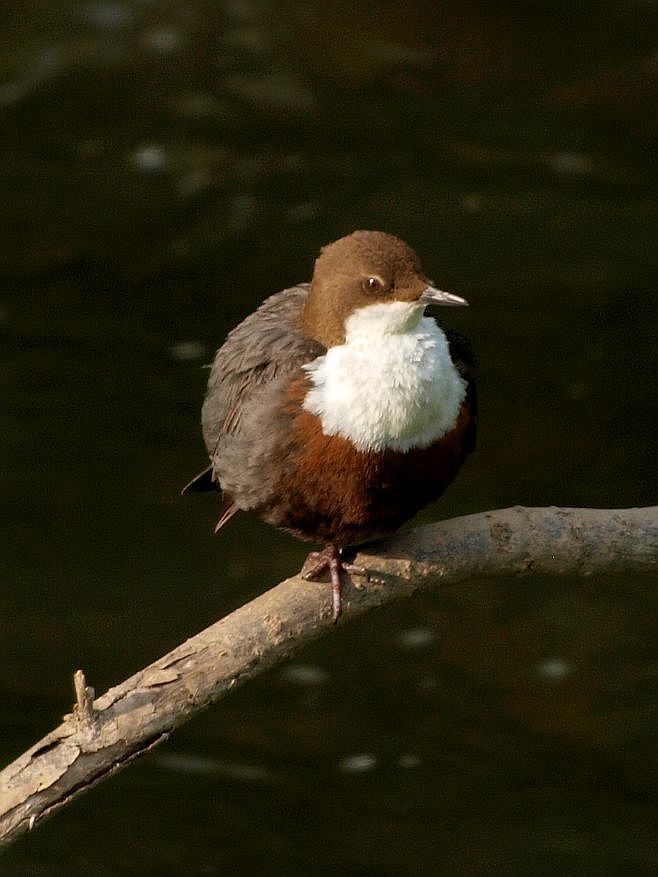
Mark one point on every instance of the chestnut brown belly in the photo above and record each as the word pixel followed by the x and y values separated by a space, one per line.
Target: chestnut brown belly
pixel 331 492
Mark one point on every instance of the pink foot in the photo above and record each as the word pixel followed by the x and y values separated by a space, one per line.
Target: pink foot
pixel 329 559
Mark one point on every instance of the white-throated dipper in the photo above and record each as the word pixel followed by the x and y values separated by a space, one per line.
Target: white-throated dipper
pixel 338 409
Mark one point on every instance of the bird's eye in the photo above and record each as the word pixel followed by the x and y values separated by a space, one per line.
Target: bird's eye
pixel 372 285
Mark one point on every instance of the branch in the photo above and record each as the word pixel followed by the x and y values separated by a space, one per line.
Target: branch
pixel 102 736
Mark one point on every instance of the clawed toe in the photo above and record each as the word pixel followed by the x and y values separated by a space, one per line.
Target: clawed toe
pixel 318 562
pixel 315 564
pixel 354 570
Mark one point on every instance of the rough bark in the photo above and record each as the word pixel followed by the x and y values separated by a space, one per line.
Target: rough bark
pixel 102 736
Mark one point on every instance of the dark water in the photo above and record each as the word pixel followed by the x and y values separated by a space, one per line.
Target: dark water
pixel 165 166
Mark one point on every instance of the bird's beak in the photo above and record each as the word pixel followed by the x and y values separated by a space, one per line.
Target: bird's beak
pixel 433 296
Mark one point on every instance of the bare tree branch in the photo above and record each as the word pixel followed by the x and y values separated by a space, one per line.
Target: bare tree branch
pixel 102 736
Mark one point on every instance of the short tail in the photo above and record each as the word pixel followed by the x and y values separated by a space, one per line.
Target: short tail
pixel 204 482
pixel 201 483
pixel 226 515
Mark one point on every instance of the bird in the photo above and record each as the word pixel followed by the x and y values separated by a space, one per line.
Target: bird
pixel 339 408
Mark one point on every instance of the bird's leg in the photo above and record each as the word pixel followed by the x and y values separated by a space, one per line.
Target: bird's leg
pixel 329 559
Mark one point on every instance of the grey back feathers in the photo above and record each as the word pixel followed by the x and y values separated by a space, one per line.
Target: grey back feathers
pixel 243 414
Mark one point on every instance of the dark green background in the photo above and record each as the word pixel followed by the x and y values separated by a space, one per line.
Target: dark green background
pixel 165 166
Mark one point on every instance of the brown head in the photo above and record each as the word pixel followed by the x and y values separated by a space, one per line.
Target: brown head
pixel 362 269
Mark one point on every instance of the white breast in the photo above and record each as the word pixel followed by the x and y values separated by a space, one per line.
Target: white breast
pixel 391 385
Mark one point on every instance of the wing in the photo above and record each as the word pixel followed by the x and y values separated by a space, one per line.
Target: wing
pixel 463 357
pixel 267 346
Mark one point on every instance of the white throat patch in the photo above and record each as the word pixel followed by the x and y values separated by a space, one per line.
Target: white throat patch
pixel 391 385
